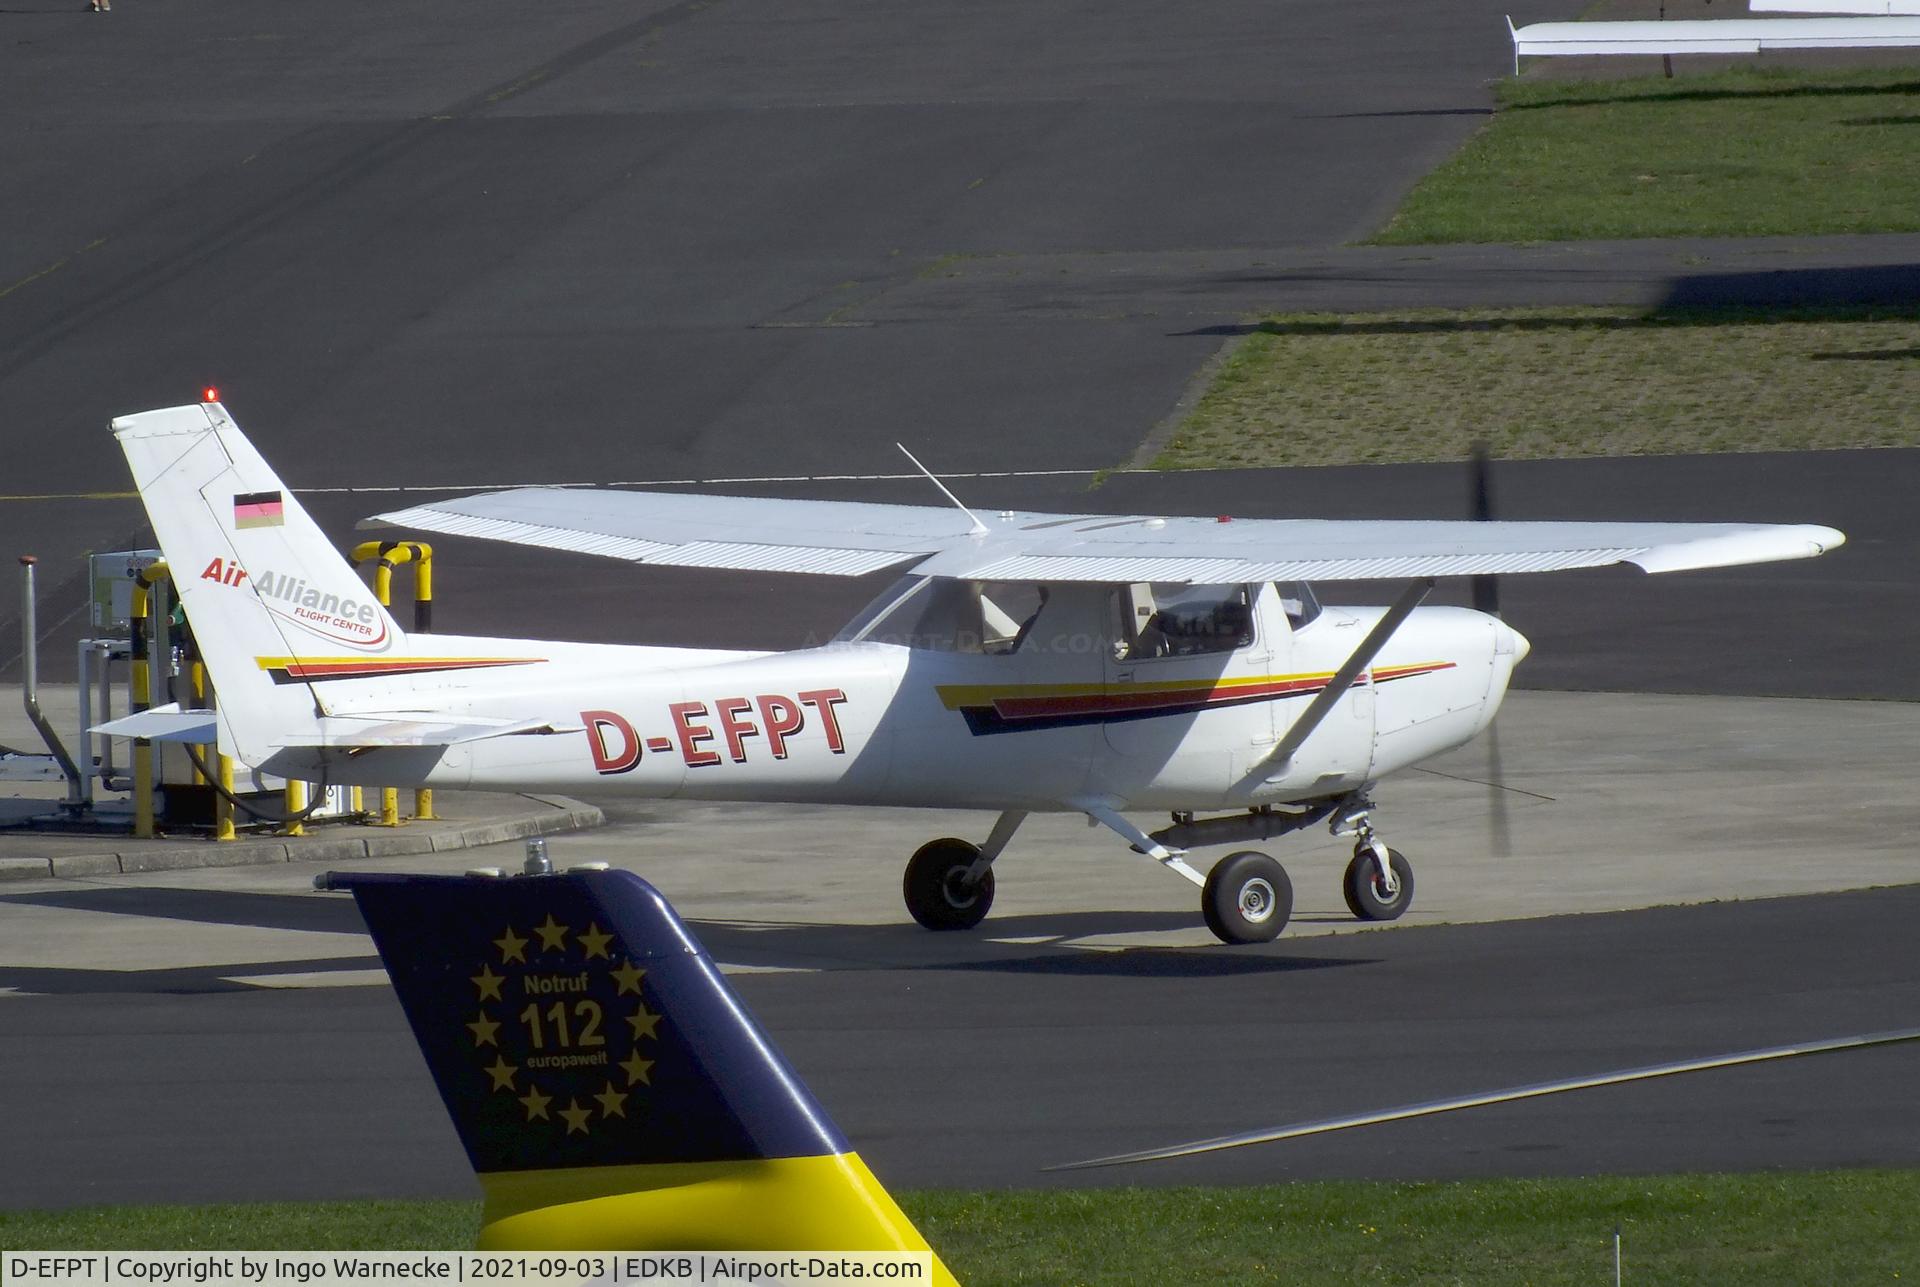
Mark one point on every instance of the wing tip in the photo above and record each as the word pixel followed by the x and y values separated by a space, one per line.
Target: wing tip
pixel 1772 544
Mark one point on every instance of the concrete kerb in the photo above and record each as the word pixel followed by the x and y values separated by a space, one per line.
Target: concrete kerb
pixel 506 817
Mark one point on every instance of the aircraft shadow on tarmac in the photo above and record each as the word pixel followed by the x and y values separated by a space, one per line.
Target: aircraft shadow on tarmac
pixel 191 980
pixel 1053 943
pixel 210 907
pixel 1049 944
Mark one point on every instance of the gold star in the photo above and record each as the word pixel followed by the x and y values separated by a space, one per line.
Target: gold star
pixel 612 1102
pixel 502 1073
pixel 628 978
pixel 595 940
pixel 577 1117
pixel 512 947
pixel 536 1104
pixel 553 935
pixel 483 1029
pixel 643 1022
pixel 638 1070
pixel 489 983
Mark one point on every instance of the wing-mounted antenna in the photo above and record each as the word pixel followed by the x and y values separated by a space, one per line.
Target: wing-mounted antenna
pixel 979 528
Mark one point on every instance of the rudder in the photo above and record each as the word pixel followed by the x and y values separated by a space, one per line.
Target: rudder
pixel 260 582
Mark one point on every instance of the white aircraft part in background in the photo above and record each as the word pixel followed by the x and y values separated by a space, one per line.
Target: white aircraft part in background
pixel 1710 36
pixel 1023 662
pixel 1876 8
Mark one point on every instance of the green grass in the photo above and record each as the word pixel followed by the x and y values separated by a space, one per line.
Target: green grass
pixel 1308 389
pixel 1746 152
pixel 1826 1227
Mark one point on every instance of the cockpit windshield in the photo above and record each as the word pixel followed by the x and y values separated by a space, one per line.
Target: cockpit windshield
pixel 942 615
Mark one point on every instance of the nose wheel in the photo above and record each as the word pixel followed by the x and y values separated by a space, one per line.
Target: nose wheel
pixel 1379 881
pixel 1371 895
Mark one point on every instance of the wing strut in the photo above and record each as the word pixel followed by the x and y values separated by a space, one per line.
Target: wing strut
pixel 1311 718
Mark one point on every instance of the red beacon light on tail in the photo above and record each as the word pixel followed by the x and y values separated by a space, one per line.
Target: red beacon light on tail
pixel 209 394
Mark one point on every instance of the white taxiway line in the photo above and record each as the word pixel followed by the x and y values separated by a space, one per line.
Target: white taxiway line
pixel 1485 1098
pixel 312 979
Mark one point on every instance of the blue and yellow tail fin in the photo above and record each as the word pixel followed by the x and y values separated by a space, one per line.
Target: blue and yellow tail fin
pixel 611 1090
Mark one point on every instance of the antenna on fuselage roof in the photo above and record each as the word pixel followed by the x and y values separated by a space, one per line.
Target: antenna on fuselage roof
pixel 979 528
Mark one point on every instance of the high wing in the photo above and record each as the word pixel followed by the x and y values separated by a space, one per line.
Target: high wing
pixel 851 538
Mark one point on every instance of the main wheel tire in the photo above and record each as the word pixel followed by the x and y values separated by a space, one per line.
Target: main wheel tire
pixel 936 890
pixel 1367 898
pixel 1247 898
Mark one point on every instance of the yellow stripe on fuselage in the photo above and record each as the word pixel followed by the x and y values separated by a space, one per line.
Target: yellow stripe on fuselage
pixel 828 1203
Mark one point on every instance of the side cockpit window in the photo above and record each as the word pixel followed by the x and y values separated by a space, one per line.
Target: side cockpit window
pixel 940 615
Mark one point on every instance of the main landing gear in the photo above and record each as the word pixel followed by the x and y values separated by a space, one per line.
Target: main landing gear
pixel 1246 898
pixel 949 882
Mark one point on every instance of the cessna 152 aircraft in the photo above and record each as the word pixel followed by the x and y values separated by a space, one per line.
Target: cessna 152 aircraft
pixel 1024 662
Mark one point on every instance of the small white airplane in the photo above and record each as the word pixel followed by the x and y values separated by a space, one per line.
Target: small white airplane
pixel 1024 662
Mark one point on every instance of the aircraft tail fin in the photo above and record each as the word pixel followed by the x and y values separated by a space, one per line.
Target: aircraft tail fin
pixel 269 596
pixel 611 1090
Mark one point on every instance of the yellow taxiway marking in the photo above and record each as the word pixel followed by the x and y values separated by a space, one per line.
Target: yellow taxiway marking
pixel 53 267
pixel 67 496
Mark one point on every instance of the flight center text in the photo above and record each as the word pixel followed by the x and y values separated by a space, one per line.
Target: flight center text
pixel 705 734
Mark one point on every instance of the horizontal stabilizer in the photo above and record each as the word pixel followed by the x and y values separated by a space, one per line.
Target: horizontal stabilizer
pixel 412 728
pixel 846 538
pixel 163 724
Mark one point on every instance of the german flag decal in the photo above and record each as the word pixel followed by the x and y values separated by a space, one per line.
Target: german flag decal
pixel 307 670
pixel 259 509
pixel 1020 707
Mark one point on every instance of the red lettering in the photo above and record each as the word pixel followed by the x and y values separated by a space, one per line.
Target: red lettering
pixel 824 700
pixel 690 733
pixel 216 571
pixel 735 730
pixel 606 761
pixel 236 574
pixel 781 718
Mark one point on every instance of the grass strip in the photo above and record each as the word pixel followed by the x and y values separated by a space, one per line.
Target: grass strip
pixel 1318 389
pixel 1745 152
pixel 1821 1227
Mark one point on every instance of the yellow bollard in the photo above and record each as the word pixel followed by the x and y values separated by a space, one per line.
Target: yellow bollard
pixel 422 556
pixel 296 804
pixel 223 828
pixel 140 672
pixel 385 556
pixel 197 679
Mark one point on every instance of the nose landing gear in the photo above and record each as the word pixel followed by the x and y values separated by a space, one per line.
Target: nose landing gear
pixel 1379 881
